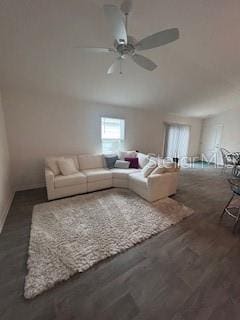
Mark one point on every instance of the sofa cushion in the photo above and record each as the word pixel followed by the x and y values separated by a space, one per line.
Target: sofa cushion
pixel 123 173
pixel 90 161
pixel 138 178
pixel 71 180
pixel 67 166
pixel 97 174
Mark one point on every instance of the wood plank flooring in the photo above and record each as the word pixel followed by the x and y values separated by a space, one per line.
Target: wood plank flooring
pixel 189 272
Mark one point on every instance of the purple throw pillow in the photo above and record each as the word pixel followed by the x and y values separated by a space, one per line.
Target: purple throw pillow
pixel 133 162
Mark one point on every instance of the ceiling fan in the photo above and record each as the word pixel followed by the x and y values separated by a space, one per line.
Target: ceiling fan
pixel 127 46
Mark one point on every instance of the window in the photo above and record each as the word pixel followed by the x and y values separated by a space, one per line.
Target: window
pixel 112 134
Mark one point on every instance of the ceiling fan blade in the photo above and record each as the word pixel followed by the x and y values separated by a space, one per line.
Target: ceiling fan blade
pixel 114 67
pixel 158 39
pixel 116 22
pixel 97 50
pixel 144 62
pixel 126 6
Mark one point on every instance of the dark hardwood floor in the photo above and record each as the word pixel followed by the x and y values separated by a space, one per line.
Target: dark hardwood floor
pixel 190 271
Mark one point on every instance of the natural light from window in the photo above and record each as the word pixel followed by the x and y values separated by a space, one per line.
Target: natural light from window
pixel 112 135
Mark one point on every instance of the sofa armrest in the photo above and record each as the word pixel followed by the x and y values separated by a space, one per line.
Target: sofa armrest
pixel 162 185
pixel 161 178
pixel 49 177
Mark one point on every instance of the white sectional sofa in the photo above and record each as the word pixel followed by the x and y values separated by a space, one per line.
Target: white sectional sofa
pixel 93 175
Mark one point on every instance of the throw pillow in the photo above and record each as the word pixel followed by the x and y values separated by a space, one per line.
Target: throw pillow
pixel 172 169
pixel 149 168
pixel 143 159
pixel 158 170
pixel 110 160
pixel 121 164
pixel 127 154
pixel 67 167
pixel 52 164
pixel 169 166
pixel 133 162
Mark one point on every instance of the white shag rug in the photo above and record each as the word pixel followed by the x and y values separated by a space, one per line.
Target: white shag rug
pixel 72 234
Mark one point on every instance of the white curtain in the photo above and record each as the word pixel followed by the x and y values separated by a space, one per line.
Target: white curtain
pixel 177 140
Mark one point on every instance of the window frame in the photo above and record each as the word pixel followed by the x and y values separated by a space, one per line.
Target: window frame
pixel 122 141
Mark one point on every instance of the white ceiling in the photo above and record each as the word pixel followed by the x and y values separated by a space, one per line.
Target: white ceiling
pixel 198 75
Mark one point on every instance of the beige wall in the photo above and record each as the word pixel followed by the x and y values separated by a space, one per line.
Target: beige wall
pixel 5 189
pixel 46 125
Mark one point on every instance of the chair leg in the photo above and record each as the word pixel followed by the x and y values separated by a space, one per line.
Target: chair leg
pixel 226 207
pixel 224 169
pixel 236 221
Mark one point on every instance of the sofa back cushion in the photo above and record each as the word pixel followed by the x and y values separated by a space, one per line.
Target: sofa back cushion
pixel 90 161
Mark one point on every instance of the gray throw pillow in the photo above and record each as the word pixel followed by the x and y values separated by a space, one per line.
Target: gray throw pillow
pixel 110 160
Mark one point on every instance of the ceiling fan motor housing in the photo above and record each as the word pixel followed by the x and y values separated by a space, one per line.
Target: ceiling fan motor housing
pixel 126 49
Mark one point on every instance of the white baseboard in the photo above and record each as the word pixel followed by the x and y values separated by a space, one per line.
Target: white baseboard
pixel 29 187
pixel 4 213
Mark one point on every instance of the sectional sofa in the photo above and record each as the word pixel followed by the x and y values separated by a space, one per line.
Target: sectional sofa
pixel 92 174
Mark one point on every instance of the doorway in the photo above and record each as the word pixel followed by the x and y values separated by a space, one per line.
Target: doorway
pixel 211 143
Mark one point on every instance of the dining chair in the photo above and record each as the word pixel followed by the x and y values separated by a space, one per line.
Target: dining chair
pixel 233 206
pixel 229 158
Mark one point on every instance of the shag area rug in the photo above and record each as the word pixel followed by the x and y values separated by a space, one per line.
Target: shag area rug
pixel 73 234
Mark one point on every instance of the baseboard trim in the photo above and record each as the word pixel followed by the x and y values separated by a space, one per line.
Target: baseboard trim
pixel 29 187
pixel 4 213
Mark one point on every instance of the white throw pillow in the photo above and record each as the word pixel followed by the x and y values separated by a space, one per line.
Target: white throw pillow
pixel 147 170
pixel 127 154
pixel 121 164
pixel 52 164
pixel 143 159
pixel 67 167
pixel 169 166
pixel 158 170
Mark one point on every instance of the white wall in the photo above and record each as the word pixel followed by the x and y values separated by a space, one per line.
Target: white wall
pixel 6 194
pixel 40 125
pixel 230 137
